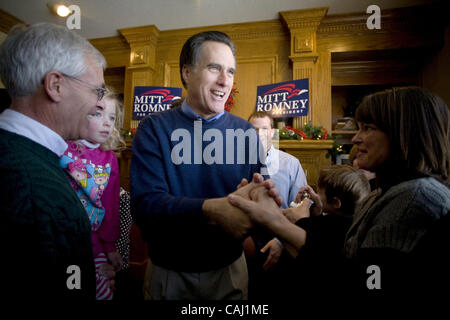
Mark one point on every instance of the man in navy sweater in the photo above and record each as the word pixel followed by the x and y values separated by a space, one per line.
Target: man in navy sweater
pixel 185 162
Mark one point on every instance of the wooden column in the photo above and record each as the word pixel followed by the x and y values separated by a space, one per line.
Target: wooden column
pixel 141 68
pixel 303 26
pixel 312 155
pixel 304 54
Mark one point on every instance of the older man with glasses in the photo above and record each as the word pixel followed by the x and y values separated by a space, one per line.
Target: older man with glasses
pixel 55 80
pixel 100 91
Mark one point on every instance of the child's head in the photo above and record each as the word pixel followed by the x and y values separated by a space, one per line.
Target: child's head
pixel 104 125
pixel 341 188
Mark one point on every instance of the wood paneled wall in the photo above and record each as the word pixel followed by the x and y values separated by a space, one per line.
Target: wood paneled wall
pixel 262 57
pixel 259 49
pixel 302 43
pixel 7 21
pixel 331 50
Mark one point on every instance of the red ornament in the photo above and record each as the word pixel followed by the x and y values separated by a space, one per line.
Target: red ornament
pixel 297 131
pixel 229 104
pixel 325 134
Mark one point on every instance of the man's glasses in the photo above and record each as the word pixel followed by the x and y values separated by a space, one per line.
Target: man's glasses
pixel 101 91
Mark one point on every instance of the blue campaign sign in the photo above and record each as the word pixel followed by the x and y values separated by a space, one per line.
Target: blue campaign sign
pixel 148 100
pixel 284 99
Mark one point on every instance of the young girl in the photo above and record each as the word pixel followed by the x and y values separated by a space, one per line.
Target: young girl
pixel 93 171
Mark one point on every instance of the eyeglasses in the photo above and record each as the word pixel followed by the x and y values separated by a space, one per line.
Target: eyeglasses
pixel 101 91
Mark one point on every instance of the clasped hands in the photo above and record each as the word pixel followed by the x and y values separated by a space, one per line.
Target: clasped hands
pixel 231 218
pixel 263 203
pixel 255 202
pixel 110 268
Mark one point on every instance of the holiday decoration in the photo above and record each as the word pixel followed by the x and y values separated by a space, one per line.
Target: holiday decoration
pixel 229 104
pixel 311 132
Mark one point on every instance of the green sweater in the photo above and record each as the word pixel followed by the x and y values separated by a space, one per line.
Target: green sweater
pixel 43 226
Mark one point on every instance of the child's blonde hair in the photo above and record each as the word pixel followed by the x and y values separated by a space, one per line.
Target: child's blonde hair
pixel 115 141
pixel 346 183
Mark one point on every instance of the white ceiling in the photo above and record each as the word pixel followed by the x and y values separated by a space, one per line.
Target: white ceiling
pixel 102 18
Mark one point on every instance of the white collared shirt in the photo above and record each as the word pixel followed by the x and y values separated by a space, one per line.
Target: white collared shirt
pixel 187 109
pixel 18 123
pixel 89 144
pixel 287 172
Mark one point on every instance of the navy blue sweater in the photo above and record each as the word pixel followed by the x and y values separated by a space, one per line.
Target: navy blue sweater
pixel 171 176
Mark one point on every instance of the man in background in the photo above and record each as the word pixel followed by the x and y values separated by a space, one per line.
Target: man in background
pixel 287 173
pixel 284 169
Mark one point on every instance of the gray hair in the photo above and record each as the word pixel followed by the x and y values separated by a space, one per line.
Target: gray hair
pixel 29 53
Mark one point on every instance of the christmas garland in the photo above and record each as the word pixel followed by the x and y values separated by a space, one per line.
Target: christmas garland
pixel 309 132
pixel 128 134
pixel 312 133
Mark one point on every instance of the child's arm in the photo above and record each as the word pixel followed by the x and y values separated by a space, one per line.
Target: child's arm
pixel 115 259
pixel 109 230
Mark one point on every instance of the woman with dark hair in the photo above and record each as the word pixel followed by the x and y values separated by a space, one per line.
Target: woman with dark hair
pixel 415 124
pixel 404 138
pixel 399 238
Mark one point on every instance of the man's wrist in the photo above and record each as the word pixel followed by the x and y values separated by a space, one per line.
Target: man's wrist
pixel 209 209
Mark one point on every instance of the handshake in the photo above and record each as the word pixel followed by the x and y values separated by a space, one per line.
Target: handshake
pixel 232 213
pixel 257 202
